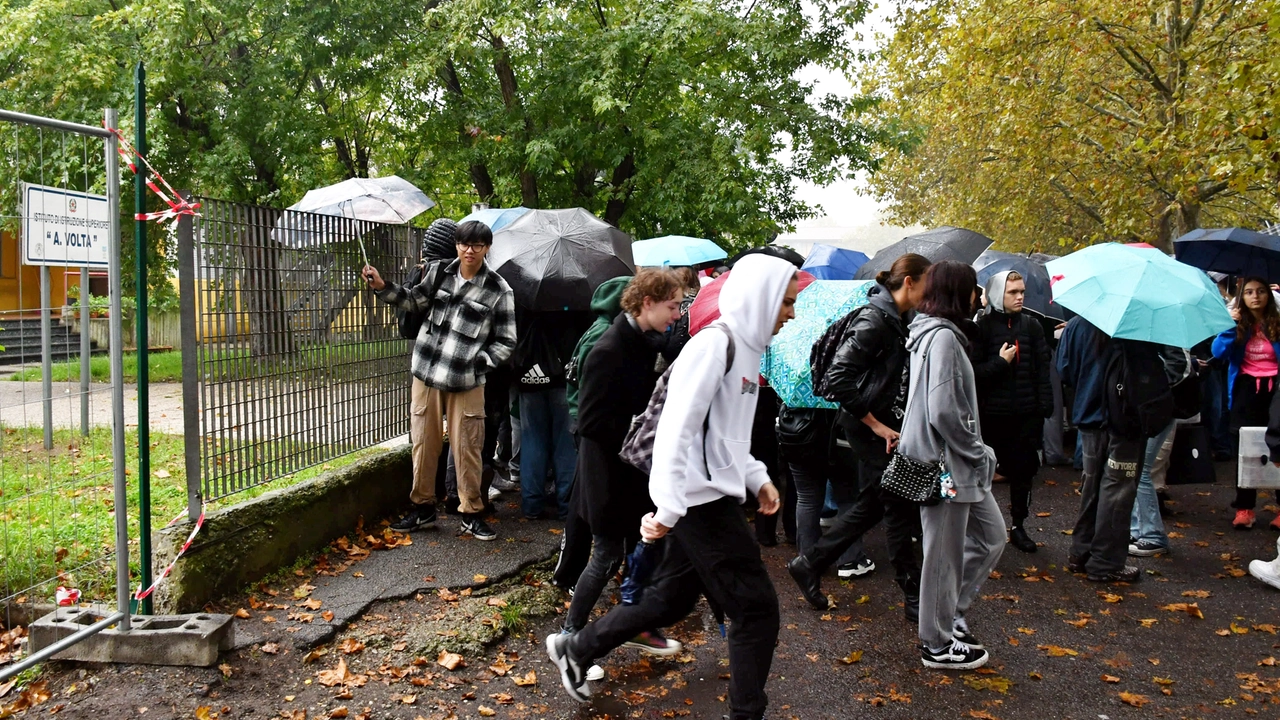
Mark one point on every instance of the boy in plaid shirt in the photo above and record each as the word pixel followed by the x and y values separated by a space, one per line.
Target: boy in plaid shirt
pixel 470 329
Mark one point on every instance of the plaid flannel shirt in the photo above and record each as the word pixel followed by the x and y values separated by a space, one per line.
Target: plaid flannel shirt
pixel 469 329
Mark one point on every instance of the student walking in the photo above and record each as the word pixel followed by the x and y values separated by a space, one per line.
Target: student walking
pixel 469 330
pixel 964 536
pixel 1252 350
pixel 702 472
pixel 1011 367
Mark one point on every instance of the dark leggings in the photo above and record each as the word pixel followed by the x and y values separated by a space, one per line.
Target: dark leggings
pixel 606 556
pixel 1250 407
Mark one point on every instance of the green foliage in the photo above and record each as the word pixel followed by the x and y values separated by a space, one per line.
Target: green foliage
pixel 687 116
pixel 164 367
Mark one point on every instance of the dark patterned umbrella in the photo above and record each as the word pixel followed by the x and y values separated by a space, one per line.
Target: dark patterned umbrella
pixel 944 243
pixel 555 259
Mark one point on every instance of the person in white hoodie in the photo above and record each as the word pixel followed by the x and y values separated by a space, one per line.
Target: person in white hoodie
pixel 702 472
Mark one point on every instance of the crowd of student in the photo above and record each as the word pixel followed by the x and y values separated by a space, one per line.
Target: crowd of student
pixel 924 376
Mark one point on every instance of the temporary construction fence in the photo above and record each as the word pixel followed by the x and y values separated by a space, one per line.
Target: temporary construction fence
pixel 289 360
pixel 63 504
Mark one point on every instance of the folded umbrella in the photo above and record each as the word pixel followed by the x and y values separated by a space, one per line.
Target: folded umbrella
pixel 1234 251
pixel 1139 294
pixel 676 251
pixel 944 243
pixel 828 262
pixel 1039 292
pixel 555 259
pixel 785 364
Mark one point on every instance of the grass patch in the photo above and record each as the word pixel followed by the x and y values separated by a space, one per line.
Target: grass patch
pixel 163 367
pixel 56 506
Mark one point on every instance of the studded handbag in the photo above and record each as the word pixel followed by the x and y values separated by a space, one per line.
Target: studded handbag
pixel 914 480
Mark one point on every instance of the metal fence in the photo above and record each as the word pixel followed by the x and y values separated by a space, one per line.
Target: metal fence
pixel 289 360
pixel 63 504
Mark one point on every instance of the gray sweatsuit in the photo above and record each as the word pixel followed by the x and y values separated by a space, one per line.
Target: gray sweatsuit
pixel 965 536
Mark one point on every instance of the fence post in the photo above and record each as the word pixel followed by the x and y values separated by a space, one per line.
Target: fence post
pixel 190 359
pixel 85 351
pixel 46 356
pixel 140 324
pixel 117 376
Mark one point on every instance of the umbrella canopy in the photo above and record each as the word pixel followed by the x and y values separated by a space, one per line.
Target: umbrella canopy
pixel 778 251
pixel 786 363
pixel 555 259
pixel 676 251
pixel 1234 251
pixel 1139 294
pixel 944 243
pixel 496 218
pixel 392 200
pixel 1039 292
pixel 706 307
pixel 828 262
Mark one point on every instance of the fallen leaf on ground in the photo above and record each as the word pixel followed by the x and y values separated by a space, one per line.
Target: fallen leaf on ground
pixel 813 657
pixel 495 602
pixel 1043 514
pixel 1035 675
pixel 1162 681
pixel 1148 622
pixel 1119 661
pixel 486 711
pixel 1078 623
pixel 479 578
pixel 1110 679
pixel 350 646
pixel 503 699
pixel 447 595
pixel 530 678
pixel 1202 594
pixel 313 655
pixel 1027 631
pixel 338 712
pixel 327 615
pixel 243 614
pixel 226 670
pixel 1267 661
pixel 1239 630
pixel 312 604
pixel 1133 699
pixel 982 715
pixel 1266 628
pixel 1110 597
pixel 202 712
pixel 852 657
pixel 268 619
pixel 303 591
pixel 1192 609
pixel 1057 651
pixel 409 699
pixel 341 676
pixel 450 661
pixel 270 648
pixel 989 682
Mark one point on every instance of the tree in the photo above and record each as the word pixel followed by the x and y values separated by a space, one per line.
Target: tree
pixel 1066 122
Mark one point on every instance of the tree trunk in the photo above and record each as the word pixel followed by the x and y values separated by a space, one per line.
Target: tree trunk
pixel 480 177
pixel 621 182
pixel 511 99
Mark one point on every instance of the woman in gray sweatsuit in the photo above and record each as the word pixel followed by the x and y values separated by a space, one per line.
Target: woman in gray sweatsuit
pixel 964 535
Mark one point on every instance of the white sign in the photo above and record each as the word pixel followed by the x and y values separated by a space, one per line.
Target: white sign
pixel 64 227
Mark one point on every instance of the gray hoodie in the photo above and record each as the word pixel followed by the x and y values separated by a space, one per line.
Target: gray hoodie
pixel 942 408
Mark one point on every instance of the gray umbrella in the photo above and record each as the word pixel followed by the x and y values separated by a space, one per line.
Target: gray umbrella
pixel 555 259
pixel 944 243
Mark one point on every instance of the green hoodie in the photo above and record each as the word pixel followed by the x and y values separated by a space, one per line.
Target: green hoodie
pixel 606 303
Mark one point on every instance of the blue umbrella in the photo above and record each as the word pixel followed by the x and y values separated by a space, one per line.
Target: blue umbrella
pixel 496 218
pixel 1039 292
pixel 1139 294
pixel 1234 251
pixel 828 262
pixel 676 251
pixel 786 362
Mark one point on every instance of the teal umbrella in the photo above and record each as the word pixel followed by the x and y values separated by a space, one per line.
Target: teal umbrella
pixel 1139 294
pixel 786 362
pixel 676 251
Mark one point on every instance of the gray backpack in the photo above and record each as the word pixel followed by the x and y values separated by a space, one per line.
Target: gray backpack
pixel 637 447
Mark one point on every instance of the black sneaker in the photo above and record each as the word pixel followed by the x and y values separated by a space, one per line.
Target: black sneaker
pixel 572 673
pixel 858 568
pixel 957 657
pixel 477 528
pixel 964 635
pixel 1128 574
pixel 1146 548
pixel 419 516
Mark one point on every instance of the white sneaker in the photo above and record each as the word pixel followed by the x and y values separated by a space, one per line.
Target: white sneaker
pixel 494 492
pixel 1267 572
pixel 595 673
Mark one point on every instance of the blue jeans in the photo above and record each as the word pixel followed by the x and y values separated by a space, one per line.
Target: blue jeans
pixel 1145 522
pixel 545 440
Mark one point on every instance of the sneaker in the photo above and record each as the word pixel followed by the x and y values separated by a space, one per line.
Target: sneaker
pixel 1128 574
pixel 856 569
pixel 494 493
pixel 960 631
pixel 653 643
pixel 1244 520
pixel 419 516
pixel 1267 571
pixel 1146 548
pixel 826 522
pixel 503 483
pixel 572 675
pixel 957 657
pixel 477 528
pixel 595 673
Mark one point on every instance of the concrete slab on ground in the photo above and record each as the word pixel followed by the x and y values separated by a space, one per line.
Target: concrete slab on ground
pixel 20 405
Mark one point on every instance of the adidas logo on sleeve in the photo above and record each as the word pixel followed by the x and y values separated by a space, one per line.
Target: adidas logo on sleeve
pixel 535 376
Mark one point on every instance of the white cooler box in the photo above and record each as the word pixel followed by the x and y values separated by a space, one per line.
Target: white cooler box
pixel 1255 462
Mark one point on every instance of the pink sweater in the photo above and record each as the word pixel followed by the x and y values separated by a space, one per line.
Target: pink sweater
pixel 1259 357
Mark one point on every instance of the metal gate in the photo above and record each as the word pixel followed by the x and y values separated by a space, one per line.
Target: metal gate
pixel 63 504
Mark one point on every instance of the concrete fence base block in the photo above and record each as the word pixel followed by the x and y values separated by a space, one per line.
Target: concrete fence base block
pixel 188 640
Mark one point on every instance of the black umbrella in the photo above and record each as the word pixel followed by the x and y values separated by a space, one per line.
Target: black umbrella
pixel 778 251
pixel 1234 251
pixel 944 243
pixel 1039 293
pixel 555 259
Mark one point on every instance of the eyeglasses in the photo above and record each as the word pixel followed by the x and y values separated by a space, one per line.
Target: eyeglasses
pixel 473 246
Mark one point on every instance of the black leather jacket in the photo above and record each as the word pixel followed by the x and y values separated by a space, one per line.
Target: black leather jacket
pixel 868 373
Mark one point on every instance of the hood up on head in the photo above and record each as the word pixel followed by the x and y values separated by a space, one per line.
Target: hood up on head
pixel 606 301
pixel 924 326
pixel 752 296
pixel 995 290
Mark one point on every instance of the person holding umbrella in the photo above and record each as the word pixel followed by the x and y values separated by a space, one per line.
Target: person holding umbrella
pixel 1251 350
pixel 1011 365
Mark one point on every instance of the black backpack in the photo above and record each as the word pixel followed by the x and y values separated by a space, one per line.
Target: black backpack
pixel 824 352
pixel 1139 400
pixel 410 323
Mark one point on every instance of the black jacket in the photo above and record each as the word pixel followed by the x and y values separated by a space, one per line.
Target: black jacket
pixel 869 371
pixel 617 381
pixel 1020 388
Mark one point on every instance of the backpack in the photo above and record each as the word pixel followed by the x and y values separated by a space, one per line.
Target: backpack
pixel 637 447
pixel 410 322
pixel 1139 401
pixel 824 353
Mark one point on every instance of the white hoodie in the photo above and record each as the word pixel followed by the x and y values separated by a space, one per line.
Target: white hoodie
pixel 749 305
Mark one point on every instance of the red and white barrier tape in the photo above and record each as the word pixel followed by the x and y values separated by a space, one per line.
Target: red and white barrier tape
pixel 143 594
pixel 177 205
